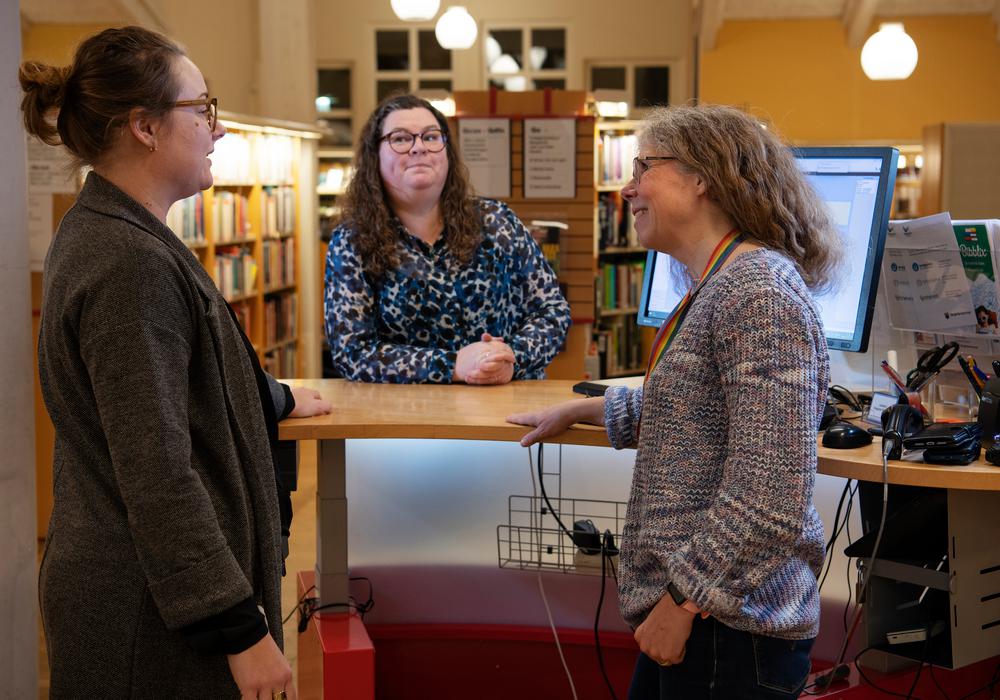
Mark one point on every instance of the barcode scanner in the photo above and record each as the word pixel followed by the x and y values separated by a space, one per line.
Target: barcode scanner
pixel 899 421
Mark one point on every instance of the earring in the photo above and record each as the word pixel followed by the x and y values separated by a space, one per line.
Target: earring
pixel 152 148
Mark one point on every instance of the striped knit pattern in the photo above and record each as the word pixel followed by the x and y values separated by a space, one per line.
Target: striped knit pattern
pixel 722 493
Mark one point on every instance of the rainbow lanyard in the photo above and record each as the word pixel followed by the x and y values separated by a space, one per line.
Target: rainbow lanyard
pixel 669 329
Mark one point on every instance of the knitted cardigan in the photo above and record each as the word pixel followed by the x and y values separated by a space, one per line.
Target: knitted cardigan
pixel 722 492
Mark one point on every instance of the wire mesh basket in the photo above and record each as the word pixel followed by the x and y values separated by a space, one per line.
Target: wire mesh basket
pixel 532 538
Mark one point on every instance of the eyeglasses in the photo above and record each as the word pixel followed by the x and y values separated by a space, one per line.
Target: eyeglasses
pixel 641 165
pixel 401 140
pixel 211 112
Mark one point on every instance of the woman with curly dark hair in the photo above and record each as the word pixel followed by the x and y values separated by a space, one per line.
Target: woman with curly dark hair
pixel 426 283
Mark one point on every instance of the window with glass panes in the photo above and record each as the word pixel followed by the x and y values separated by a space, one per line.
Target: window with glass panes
pixel 333 104
pixel 410 60
pixel 647 84
pixel 525 58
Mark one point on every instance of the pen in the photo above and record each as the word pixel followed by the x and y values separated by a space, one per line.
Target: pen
pixel 896 379
pixel 979 373
pixel 971 376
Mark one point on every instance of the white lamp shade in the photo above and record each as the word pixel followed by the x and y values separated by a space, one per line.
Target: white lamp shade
pixel 493 50
pixel 415 10
pixel 889 53
pixel 504 64
pixel 456 29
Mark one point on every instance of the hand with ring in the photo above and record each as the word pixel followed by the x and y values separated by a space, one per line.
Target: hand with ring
pixel 262 671
pixel 488 361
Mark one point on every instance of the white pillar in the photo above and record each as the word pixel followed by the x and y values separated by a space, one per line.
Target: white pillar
pixel 286 79
pixel 18 601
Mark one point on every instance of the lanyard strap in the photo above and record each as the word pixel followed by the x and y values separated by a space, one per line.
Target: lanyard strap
pixel 669 329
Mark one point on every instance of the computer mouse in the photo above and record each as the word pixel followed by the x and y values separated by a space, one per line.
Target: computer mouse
pixel 842 435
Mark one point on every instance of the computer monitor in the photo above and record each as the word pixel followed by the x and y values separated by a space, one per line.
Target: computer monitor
pixel 856 183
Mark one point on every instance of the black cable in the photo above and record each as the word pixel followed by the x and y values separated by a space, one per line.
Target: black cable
pixel 834 534
pixel 307 607
pixel 989 686
pixel 597 620
pixel 857 666
pixel 300 601
pixel 934 680
pixel 604 553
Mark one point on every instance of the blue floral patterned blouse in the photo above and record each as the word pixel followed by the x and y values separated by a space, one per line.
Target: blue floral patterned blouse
pixel 409 326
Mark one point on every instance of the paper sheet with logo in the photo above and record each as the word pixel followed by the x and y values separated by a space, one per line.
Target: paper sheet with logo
pixel 925 282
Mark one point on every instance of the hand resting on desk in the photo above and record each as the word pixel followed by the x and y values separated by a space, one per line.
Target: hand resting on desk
pixel 558 418
pixel 308 402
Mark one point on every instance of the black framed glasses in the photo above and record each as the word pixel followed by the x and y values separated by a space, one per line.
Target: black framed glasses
pixel 641 164
pixel 211 112
pixel 401 140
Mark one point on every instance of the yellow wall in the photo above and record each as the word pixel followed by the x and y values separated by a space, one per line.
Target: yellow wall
pixel 802 76
pixel 55 43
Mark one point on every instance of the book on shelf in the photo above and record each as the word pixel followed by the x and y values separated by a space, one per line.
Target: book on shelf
pixel 280 318
pixel 281 361
pixel 279 263
pixel 275 155
pixel 235 271
pixel 230 216
pixel 614 158
pixel 243 316
pixel 619 348
pixel 277 211
pixel 186 218
pixel 233 159
pixel 619 286
pixel 615 222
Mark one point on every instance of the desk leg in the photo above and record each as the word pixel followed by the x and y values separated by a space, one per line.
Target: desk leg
pixel 348 657
pixel 331 523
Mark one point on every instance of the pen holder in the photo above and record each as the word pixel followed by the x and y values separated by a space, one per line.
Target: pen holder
pixel 928 398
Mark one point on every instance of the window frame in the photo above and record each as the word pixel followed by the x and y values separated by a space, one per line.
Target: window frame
pixel 635 111
pixel 527 72
pixel 415 73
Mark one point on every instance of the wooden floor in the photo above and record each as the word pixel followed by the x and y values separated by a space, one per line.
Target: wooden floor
pixel 302 555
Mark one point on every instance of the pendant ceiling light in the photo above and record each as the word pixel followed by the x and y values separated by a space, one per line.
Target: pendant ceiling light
pixel 456 29
pixel 889 53
pixel 415 10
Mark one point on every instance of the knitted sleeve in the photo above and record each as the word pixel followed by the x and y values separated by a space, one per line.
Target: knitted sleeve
pixel 767 346
pixel 622 411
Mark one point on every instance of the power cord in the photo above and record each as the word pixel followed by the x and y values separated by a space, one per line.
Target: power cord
pixel 605 541
pixel 541 587
pixel 307 607
pixel 890 440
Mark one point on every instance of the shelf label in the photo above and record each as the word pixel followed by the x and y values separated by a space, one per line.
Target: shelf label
pixel 549 158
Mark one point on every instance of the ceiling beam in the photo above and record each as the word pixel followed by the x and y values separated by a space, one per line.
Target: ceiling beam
pixel 142 15
pixel 858 16
pixel 709 21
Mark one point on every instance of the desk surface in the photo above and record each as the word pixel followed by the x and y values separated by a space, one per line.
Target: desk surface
pixel 460 412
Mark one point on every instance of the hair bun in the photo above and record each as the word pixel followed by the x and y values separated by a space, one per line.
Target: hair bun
pixel 44 89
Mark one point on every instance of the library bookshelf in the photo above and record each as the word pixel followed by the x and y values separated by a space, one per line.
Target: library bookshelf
pixel 247 230
pixel 621 345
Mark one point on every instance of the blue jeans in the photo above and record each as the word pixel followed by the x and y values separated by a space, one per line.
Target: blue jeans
pixel 723 664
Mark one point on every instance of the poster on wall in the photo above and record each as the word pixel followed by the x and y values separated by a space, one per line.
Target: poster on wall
pixel 486 152
pixel 49 174
pixel 549 158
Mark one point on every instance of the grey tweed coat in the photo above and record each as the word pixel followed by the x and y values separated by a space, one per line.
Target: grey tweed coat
pixel 165 509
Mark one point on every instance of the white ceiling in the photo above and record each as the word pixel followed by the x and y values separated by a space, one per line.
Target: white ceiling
pixel 786 9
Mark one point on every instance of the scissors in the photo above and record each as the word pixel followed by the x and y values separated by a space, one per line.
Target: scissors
pixel 930 363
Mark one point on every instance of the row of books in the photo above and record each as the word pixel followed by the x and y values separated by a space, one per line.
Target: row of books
pixel 282 362
pixel 277 211
pixel 615 223
pixel 230 216
pixel 246 158
pixel 280 318
pixel 614 158
pixel 186 218
pixel 619 348
pixel 334 177
pixel 235 271
pixel 619 286
pixel 243 316
pixel 279 263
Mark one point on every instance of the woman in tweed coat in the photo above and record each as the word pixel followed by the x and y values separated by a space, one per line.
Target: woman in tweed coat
pixel 722 542
pixel 161 575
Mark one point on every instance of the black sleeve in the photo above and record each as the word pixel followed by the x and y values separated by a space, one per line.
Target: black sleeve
pixel 229 632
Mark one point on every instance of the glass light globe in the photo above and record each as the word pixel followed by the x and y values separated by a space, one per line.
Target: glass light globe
pixel 415 10
pixel 456 29
pixel 889 53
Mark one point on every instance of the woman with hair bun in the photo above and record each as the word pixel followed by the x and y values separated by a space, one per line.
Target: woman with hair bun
pixel 162 569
